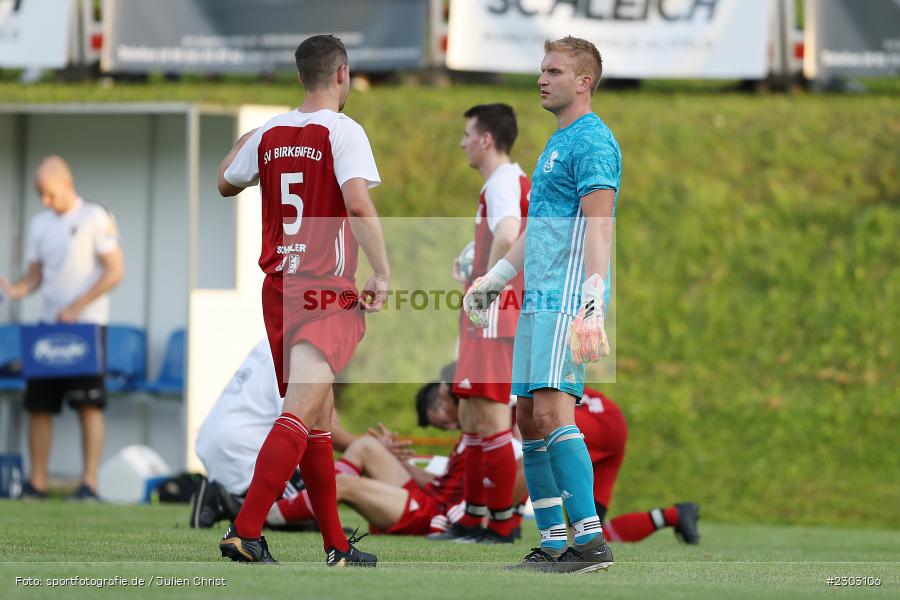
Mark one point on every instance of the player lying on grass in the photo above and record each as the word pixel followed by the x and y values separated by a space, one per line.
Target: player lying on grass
pixel 398 498
pixel 394 496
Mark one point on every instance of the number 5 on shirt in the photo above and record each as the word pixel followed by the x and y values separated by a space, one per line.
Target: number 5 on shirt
pixel 292 199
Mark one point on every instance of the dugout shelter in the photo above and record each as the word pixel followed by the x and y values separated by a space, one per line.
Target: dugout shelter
pixel 190 255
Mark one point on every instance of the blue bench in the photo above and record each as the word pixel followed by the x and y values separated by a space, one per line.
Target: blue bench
pixel 171 375
pixel 126 358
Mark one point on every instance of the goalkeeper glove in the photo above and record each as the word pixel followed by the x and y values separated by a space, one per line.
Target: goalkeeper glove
pixel 587 337
pixel 485 290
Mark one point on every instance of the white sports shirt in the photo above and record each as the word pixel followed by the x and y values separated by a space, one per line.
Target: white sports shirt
pixel 69 247
pixel 234 431
pixel 502 195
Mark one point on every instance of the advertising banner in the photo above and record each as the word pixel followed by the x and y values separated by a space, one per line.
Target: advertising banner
pixel 852 37
pixel 34 33
pixel 715 39
pixel 61 350
pixel 253 36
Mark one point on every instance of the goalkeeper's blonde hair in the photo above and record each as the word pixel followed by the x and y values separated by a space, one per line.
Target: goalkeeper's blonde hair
pixel 587 58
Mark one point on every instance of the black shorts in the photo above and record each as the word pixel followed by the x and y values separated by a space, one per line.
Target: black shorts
pixel 46 395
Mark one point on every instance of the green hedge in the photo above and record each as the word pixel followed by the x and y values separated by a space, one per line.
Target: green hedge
pixel 758 282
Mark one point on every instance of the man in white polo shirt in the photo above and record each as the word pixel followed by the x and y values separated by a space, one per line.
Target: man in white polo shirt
pixel 74 256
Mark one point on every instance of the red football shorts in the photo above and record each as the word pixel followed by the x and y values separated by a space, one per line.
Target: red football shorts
pixel 604 435
pixel 416 519
pixel 484 368
pixel 334 329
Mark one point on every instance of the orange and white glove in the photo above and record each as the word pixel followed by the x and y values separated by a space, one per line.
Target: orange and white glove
pixel 485 290
pixel 587 336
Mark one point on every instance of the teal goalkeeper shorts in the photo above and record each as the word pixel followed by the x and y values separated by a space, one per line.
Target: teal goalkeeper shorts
pixel 541 356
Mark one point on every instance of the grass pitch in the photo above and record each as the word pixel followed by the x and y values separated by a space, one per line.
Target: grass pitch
pixel 60 540
pixel 757 269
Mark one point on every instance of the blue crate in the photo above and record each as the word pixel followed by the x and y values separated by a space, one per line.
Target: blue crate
pixel 61 350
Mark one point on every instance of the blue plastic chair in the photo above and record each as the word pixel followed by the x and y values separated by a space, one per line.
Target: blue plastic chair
pixel 126 358
pixel 171 376
pixel 10 359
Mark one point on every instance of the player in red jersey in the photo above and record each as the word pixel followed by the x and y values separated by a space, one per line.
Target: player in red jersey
pixel 484 369
pixel 605 433
pixel 314 166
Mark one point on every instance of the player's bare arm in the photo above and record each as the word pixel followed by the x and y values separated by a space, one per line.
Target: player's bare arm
pixel 402 449
pixel 505 234
pixel 587 337
pixel 113 270
pixel 516 255
pixel 367 230
pixel 227 189
pixel 24 286
pixel 420 476
pixel 597 208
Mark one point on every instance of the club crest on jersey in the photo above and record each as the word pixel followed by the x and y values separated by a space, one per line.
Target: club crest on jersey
pixel 548 164
pixel 293 263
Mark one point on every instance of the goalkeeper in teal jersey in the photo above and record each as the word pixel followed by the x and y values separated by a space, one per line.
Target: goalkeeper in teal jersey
pixel 566 256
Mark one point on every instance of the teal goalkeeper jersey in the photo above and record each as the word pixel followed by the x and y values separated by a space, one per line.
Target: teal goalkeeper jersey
pixel 576 161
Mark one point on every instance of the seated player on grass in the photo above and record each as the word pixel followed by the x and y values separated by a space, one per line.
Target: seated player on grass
pixel 398 498
pixel 395 496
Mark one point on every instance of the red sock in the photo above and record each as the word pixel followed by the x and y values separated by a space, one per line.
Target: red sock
pixel 473 486
pixel 671 516
pixel 317 468
pixel 277 459
pixel 298 508
pixel 634 527
pixel 346 467
pixel 499 465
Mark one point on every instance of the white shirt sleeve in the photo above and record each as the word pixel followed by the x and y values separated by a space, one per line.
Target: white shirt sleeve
pixel 105 232
pixel 244 169
pixel 502 196
pixel 352 153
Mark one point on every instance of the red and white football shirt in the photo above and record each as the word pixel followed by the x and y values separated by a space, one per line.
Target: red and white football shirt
pixel 309 254
pixel 300 161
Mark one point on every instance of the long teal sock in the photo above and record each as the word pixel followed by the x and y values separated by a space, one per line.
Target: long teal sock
pixel 571 465
pixel 544 495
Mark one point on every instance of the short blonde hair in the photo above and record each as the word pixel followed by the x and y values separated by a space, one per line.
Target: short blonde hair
pixel 587 57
